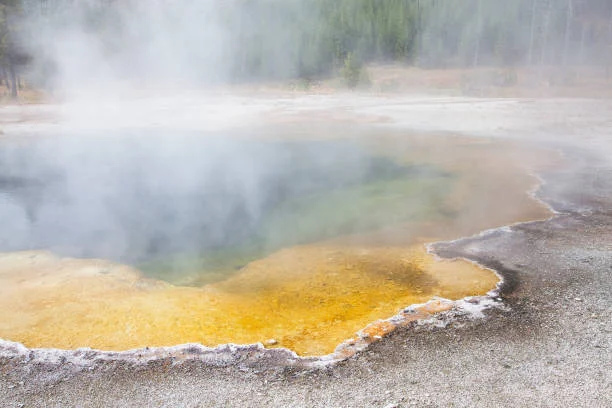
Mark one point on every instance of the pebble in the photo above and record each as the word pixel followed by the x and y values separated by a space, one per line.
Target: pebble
pixel 578 299
pixel 271 342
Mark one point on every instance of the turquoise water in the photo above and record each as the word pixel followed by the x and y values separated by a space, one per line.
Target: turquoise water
pixel 343 197
pixel 192 209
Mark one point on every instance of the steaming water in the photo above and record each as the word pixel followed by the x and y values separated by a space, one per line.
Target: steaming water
pixel 239 238
pixel 204 206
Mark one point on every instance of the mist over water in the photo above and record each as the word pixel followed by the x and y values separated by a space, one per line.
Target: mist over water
pixel 162 191
pixel 151 198
pixel 315 223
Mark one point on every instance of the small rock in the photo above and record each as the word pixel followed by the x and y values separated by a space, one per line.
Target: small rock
pixel 271 342
pixel 578 299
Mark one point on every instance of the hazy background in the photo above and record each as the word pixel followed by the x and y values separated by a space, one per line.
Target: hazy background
pixel 99 187
pixel 77 44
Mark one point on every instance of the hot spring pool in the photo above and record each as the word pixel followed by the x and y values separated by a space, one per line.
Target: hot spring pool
pixel 118 242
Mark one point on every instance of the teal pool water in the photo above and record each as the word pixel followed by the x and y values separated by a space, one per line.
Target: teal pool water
pixel 308 203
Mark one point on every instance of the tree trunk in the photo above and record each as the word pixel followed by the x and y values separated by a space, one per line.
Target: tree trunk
pixel 13 84
pixel 582 42
pixel 478 35
pixel 568 28
pixel 419 35
pixel 4 77
pixel 609 50
pixel 545 29
pixel 532 31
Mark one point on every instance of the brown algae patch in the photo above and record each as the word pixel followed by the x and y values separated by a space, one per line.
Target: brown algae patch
pixel 307 298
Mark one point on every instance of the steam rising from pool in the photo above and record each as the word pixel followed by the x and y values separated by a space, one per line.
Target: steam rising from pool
pixel 212 201
pixel 140 220
pixel 267 236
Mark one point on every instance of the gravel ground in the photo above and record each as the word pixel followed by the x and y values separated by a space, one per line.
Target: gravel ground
pixel 548 347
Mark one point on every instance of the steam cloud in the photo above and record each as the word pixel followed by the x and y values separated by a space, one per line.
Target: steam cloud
pixel 130 191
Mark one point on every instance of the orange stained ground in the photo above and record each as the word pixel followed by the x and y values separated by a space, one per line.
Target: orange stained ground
pixel 308 298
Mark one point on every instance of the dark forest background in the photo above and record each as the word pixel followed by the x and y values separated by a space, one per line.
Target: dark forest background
pixel 281 39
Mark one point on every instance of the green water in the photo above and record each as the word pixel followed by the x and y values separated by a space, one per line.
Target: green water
pixel 386 194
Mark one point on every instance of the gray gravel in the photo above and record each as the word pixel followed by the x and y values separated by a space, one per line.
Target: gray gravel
pixel 550 347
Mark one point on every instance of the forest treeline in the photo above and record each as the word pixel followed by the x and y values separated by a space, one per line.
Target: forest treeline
pixel 280 39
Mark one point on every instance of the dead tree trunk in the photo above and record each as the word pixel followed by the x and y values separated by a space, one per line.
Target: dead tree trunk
pixel 545 31
pixel 609 48
pixel 478 34
pixel 13 81
pixel 532 30
pixel 4 77
pixel 583 34
pixel 568 28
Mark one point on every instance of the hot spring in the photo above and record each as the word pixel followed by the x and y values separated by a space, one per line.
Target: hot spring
pixel 122 241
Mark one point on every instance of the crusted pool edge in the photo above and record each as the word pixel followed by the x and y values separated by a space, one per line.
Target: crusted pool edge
pixel 438 312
